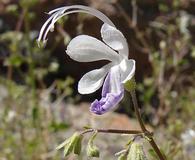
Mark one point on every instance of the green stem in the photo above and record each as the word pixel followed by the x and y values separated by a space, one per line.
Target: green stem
pixel 138 116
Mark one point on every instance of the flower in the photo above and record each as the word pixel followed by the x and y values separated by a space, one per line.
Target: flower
pixel 84 48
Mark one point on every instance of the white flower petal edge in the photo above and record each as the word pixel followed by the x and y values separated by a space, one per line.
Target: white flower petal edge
pixel 85 48
pixel 127 69
pixel 115 39
pixel 93 80
pixel 115 85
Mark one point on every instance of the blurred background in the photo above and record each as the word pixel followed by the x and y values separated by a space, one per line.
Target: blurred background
pixel 39 102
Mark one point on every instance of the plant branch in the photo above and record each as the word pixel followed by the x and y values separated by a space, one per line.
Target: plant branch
pixel 115 131
pixel 138 115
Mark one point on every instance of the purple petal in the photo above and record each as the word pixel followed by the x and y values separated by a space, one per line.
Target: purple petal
pixel 112 93
pixel 105 104
pixel 106 86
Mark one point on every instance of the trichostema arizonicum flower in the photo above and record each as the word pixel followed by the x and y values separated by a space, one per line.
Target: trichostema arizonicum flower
pixel 83 48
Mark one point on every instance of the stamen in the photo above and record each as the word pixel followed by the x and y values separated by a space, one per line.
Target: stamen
pixel 58 13
pixel 91 11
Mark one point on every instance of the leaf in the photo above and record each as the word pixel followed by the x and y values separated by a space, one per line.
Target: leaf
pixel 78 145
pixel 62 144
pixel 70 146
pixel 72 143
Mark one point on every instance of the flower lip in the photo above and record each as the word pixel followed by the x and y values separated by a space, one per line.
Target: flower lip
pixel 106 103
pixel 112 93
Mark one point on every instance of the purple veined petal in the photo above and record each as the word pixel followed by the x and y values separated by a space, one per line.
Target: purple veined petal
pixel 112 93
pixel 115 39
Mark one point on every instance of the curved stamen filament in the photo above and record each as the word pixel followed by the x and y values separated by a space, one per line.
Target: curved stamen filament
pixel 91 11
pixel 58 13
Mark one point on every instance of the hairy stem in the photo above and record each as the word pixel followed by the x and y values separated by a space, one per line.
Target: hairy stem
pixel 138 116
pixel 116 131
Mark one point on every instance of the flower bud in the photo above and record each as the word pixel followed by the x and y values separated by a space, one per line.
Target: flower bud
pixel 92 150
pixel 130 85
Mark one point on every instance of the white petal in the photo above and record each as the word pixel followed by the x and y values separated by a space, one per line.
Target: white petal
pixel 127 69
pixel 85 48
pixel 93 80
pixel 115 84
pixel 115 39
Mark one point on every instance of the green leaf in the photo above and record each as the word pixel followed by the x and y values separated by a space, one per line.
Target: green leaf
pixel 68 148
pixel 78 145
pixel 72 143
pixel 63 144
